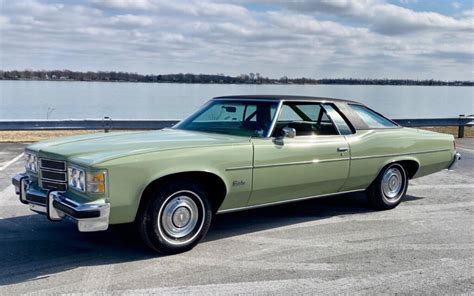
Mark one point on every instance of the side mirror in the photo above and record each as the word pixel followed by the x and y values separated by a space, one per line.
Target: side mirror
pixel 288 132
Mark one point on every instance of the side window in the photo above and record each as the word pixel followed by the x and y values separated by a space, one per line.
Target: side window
pixel 288 114
pixel 250 113
pixel 371 118
pixel 339 121
pixel 306 118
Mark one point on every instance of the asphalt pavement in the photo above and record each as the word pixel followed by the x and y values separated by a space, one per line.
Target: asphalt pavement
pixel 332 245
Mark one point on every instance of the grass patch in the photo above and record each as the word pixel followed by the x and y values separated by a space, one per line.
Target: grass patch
pixel 34 136
pixel 453 130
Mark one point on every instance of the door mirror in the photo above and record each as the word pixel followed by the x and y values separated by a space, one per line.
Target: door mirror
pixel 288 132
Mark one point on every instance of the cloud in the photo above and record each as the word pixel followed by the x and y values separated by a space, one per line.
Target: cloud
pixel 382 17
pixel 34 8
pixel 130 20
pixel 124 4
pixel 366 38
pixel 187 7
pixel 4 21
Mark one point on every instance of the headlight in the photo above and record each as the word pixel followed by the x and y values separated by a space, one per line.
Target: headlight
pixel 82 180
pixel 76 179
pixel 31 162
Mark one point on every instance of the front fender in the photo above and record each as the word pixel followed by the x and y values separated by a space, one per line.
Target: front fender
pixel 130 176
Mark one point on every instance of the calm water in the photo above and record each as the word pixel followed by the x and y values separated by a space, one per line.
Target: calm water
pixel 80 100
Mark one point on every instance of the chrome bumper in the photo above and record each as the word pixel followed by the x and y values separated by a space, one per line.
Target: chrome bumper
pixel 456 159
pixel 56 206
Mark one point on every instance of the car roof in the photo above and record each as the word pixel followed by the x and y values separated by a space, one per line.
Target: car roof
pixel 283 97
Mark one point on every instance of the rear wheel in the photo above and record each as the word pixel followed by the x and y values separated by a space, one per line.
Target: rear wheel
pixel 176 217
pixel 387 191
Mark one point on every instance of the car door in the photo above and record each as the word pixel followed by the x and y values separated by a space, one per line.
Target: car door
pixel 314 162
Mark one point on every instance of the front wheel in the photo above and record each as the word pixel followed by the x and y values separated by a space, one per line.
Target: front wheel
pixel 176 217
pixel 387 191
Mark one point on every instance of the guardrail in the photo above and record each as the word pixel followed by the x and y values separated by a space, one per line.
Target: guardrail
pixel 108 124
pixel 460 122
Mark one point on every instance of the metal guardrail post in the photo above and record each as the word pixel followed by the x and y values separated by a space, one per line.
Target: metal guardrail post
pixel 461 127
pixel 107 122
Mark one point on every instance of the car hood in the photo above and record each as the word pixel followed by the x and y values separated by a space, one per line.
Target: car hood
pixel 96 148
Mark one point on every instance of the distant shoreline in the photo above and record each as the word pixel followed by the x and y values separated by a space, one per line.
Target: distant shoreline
pixel 251 78
pixel 470 84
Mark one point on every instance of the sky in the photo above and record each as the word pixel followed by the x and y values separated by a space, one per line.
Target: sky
pixel 413 39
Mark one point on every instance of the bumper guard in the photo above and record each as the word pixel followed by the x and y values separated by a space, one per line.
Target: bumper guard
pixel 455 162
pixel 56 206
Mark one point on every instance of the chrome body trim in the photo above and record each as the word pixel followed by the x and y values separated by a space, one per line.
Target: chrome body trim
pixel 239 168
pixel 285 201
pixel 275 118
pixel 314 161
pixel 399 154
pixel 272 165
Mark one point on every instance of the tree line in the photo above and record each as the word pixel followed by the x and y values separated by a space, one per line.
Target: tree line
pixel 251 78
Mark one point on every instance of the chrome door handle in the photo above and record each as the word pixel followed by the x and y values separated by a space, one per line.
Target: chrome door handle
pixel 342 149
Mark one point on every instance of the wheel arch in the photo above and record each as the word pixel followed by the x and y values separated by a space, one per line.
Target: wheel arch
pixel 410 164
pixel 212 183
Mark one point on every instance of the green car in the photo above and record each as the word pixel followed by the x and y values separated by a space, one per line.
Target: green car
pixel 235 153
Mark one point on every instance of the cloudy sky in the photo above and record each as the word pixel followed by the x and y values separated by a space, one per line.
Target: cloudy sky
pixel 417 39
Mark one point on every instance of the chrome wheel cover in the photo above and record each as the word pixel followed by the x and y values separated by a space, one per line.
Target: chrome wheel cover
pixel 392 184
pixel 181 217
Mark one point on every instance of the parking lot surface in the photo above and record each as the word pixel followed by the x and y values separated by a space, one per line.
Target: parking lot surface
pixel 330 245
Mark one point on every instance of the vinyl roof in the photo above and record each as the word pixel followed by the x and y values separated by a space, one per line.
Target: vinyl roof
pixel 283 97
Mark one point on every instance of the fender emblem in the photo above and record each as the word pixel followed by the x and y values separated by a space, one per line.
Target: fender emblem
pixel 238 183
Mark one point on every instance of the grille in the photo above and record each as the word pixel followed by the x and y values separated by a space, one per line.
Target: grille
pixel 53 175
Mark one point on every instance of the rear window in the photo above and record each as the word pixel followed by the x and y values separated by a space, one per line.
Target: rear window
pixel 371 118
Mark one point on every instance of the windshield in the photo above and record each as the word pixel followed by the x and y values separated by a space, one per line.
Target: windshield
pixel 234 117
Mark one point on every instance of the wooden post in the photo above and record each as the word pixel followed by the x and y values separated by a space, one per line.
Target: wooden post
pixel 461 127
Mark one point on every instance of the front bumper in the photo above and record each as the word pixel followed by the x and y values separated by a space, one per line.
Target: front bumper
pixel 455 161
pixel 56 206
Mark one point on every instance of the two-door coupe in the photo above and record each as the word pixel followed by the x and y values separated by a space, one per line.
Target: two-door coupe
pixel 235 153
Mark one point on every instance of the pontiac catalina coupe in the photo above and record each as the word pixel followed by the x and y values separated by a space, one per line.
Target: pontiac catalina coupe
pixel 235 153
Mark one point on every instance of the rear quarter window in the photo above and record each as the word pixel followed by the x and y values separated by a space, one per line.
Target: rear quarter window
pixel 342 126
pixel 371 118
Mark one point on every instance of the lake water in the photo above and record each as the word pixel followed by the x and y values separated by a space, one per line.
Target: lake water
pixel 81 100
